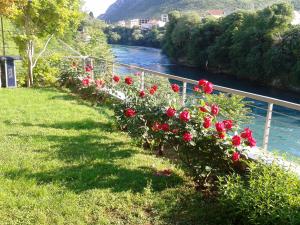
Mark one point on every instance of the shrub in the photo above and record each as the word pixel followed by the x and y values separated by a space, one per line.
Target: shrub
pixel 267 195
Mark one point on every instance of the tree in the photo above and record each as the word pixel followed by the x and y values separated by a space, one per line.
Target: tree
pixel 8 7
pixel 41 20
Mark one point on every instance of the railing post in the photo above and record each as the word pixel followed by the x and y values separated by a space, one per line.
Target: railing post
pixel 184 93
pixel 142 81
pixel 268 126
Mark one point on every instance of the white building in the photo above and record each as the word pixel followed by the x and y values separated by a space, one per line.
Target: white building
pixel 122 23
pixel 296 19
pixel 164 18
pixel 132 23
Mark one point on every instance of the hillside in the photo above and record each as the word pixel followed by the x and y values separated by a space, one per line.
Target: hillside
pixel 129 9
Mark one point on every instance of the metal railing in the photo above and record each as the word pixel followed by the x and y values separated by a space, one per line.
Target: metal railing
pixel 271 102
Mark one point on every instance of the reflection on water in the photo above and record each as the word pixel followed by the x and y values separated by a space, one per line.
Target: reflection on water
pixel 285 131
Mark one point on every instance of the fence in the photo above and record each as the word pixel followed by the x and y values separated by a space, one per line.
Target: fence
pixel 186 87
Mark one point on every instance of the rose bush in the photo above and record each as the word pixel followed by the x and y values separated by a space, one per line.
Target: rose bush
pixel 198 133
pixel 204 137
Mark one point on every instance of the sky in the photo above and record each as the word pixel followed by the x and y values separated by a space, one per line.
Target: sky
pixel 97 6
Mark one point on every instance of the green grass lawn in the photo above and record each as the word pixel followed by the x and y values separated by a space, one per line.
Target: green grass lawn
pixel 63 161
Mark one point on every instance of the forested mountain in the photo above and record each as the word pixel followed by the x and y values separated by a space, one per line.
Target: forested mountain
pixel 129 9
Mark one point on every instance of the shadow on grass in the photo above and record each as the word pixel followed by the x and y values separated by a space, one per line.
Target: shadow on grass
pixel 87 124
pixel 100 176
pixel 93 161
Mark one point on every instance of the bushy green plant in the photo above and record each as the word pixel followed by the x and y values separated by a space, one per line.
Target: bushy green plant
pixel 268 195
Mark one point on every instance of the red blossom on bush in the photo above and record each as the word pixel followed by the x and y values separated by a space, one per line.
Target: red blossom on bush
pixel 196 89
pixel 215 110
pixel 171 112
pixel 116 78
pixel 202 83
pixel 156 127
pixel 203 109
pixel 165 127
pixel 152 91
pixel 89 68
pixel 187 137
pixel 235 157
pixel 86 82
pixel 236 140
pixel 207 122
pixel 129 112
pixel 251 142
pixel 220 127
pixel 175 131
pixel 154 87
pixel 175 88
pixel 185 116
pixel 228 124
pixel 142 94
pixel 222 135
pixel 129 80
pixel 208 88
pixel 247 133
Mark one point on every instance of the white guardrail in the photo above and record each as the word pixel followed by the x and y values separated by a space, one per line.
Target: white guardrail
pixel 185 81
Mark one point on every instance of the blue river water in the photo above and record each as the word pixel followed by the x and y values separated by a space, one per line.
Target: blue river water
pixel 285 130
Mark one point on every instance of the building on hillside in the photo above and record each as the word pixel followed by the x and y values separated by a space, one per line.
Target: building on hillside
pixel 296 19
pixel 132 23
pixel 121 23
pixel 143 21
pixel 152 23
pixel 216 13
pixel 164 18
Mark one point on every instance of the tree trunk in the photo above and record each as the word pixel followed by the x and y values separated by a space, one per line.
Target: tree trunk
pixel 30 52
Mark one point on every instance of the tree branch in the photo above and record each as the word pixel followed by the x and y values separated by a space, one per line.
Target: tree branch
pixel 42 52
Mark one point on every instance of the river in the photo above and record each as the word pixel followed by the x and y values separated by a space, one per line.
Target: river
pixel 285 130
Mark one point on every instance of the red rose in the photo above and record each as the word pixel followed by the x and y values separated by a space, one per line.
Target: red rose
pixel 207 122
pixel 208 88
pixel 99 83
pixel 171 112
pixel 236 140
pixel 88 69
pixel 185 116
pixel 165 127
pixel 251 142
pixel 247 133
pixel 154 87
pixel 116 78
pixel 175 88
pixel 86 82
pixel 222 135
pixel 228 124
pixel 152 91
pixel 129 80
pixel 203 109
pixel 202 83
pixel 175 131
pixel 129 113
pixel 142 94
pixel 196 89
pixel 156 127
pixel 220 127
pixel 235 156
pixel 187 137
pixel 215 110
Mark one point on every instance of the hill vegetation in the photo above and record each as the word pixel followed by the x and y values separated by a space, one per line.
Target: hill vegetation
pixel 129 9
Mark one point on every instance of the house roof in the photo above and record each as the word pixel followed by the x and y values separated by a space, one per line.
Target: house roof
pixel 216 12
